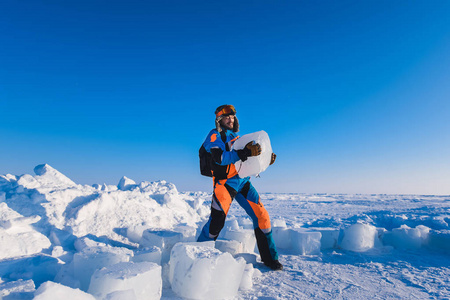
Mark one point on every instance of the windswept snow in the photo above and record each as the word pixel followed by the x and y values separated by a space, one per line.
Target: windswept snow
pixel 61 239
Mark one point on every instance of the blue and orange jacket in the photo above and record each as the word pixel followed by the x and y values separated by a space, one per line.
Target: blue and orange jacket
pixel 222 155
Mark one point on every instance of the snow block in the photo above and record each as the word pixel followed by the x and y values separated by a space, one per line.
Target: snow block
pixel 255 164
pixel 126 184
pixel 282 237
pixel 440 240
pixel 134 233
pixel 245 236
pixel 86 262
pixel 143 278
pixel 305 242
pixel 247 278
pixel 51 291
pixel 330 237
pixel 163 239
pixel 359 237
pixel 17 287
pixel 39 267
pixel 198 271
pixel 406 237
pixel 232 247
pixel 150 254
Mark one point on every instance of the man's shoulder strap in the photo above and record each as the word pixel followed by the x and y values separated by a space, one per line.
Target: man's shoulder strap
pixel 223 135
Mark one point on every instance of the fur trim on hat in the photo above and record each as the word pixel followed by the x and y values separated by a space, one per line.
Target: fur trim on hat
pixel 235 125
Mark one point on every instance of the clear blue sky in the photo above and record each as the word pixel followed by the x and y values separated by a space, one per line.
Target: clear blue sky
pixel 354 95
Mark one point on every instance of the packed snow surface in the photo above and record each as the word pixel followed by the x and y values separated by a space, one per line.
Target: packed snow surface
pixel 62 240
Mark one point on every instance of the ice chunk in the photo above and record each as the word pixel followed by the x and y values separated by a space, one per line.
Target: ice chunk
pixel 359 237
pixel 126 184
pixel 255 164
pixel 19 286
pixel 305 242
pixel 247 278
pixel 86 262
pixel 440 240
pixel 245 236
pixel 330 237
pixel 134 233
pixel 143 278
pixel 187 231
pixel 50 176
pixel 232 247
pixel 51 291
pixel 201 272
pixel 406 237
pixel 163 239
pixel 281 237
pixel 150 254
pixel 17 237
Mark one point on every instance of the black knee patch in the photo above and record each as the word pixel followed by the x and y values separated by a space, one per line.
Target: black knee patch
pixel 217 222
pixel 245 189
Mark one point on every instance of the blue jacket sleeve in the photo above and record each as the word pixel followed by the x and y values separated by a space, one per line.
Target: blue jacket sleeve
pixel 214 145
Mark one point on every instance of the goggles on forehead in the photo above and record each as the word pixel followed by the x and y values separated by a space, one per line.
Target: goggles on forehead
pixel 226 110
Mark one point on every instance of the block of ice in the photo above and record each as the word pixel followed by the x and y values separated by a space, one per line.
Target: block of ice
pixel 247 278
pixel 86 262
pixel 232 247
pixel 305 242
pixel 143 278
pixel 19 286
pixel 150 254
pixel 245 236
pixel 51 291
pixel 188 232
pixel 126 184
pixel 201 272
pixel 282 237
pixel 163 239
pixel 407 238
pixel 359 237
pixel 255 164
pixel 330 237
pixel 440 240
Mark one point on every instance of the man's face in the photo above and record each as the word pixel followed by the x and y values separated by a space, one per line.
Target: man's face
pixel 227 121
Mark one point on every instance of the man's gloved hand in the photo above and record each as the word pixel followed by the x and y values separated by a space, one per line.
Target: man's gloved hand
pixel 255 149
pixel 249 150
pixel 274 157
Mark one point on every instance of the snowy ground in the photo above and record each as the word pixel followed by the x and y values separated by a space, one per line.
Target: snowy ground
pixel 52 229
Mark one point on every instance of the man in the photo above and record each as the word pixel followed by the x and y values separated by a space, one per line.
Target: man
pixel 228 185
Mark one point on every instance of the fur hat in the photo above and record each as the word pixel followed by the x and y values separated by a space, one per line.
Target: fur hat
pixel 219 118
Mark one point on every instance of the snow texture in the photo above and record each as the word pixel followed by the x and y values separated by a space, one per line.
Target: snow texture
pixel 55 235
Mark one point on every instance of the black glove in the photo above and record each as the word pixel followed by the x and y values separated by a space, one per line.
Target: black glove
pixel 272 160
pixel 249 150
